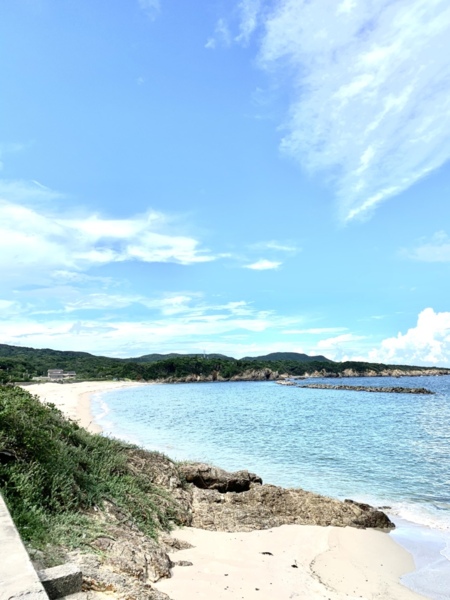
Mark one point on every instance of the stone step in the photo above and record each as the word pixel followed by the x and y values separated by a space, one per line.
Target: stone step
pixel 61 581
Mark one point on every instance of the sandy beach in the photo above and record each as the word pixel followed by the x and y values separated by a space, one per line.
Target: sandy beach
pixel 292 561
pixel 74 399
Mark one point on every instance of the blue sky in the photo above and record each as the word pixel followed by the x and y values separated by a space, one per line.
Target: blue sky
pixel 238 177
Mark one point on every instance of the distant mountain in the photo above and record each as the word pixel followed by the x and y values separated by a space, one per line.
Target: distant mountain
pixel 296 356
pixel 151 358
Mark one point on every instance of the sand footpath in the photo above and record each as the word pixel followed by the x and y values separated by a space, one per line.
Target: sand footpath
pixel 287 562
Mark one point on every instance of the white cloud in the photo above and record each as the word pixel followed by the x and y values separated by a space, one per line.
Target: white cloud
pixel 369 91
pixel 44 240
pixel 315 331
pixel 435 250
pixel 263 265
pixel 11 148
pixel 150 7
pixel 249 11
pixel 337 341
pixel 222 35
pixel 24 192
pixel 345 346
pixel 428 343
pixel 287 247
pixel 178 322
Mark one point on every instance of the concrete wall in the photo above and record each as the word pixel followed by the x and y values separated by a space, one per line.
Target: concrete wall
pixel 18 578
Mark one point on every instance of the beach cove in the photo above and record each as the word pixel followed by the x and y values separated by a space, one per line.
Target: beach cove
pixel 351 567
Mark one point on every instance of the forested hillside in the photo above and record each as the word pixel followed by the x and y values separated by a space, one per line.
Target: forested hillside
pixel 22 364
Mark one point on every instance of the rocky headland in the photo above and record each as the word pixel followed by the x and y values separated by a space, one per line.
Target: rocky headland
pixel 274 375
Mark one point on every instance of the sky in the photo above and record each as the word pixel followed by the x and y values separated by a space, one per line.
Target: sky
pixel 232 176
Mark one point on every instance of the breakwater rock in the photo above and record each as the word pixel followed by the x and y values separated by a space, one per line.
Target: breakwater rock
pixel 362 388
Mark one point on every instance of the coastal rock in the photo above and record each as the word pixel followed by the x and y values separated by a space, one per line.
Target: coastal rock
pixel 256 375
pixel 127 562
pixel 266 506
pixel 212 478
pixel 163 472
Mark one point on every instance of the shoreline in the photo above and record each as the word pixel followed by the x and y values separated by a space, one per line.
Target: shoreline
pixel 329 563
pixel 74 399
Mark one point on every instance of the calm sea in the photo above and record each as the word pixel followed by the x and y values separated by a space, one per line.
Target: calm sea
pixel 386 449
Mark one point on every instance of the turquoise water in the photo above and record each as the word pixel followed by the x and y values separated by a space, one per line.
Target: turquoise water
pixel 386 449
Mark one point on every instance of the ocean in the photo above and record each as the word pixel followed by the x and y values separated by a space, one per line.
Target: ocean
pixel 390 450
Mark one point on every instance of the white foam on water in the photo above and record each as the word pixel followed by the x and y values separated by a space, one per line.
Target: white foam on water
pixel 99 407
pixel 425 515
pixel 430 550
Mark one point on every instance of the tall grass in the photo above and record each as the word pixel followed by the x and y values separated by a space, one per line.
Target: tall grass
pixel 52 472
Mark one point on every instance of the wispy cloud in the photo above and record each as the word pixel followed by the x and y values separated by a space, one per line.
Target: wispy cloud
pixel 222 35
pixel 263 265
pixel 44 238
pixel 150 7
pixel 249 12
pixel 339 340
pixel 437 249
pixel 287 247
pixel 315 331
pixel 428 343
pixel 26 192
pixel 369 91
pixel 10 148
pixel 183 322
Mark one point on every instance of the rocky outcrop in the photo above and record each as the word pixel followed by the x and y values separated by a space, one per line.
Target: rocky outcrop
pixel 127 562
pixel 164 473
pixel 215 505
pixel 387 372
pixel 212 478
pixel 268 374
pixel 248 375
pixel 266 506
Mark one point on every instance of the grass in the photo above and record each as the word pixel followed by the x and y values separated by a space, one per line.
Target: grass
pixel 53 473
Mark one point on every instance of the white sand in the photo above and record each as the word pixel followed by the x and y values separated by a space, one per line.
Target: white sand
pixel 330 563
pixel 74 399
pixel 306 562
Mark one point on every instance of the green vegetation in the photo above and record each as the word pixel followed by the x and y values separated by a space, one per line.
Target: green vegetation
pixel 289 356
pixel 22 364
pixel 53 474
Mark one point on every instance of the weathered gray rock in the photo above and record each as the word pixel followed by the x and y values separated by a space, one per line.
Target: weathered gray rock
pixel 127 562
pixel 208 477
pixel 266 506
pixel 164 473
pixel 61 581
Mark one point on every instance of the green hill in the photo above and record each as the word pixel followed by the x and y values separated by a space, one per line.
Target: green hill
pixel 295 356
pixel 18 363
pixel 149 358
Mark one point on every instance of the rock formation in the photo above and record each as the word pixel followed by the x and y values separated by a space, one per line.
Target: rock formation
pixel 264 506
pixel 127 562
